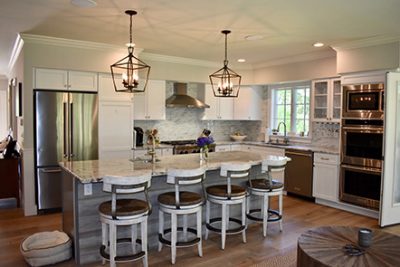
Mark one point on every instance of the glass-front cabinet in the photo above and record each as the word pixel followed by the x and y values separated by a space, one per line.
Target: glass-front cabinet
pixel 327 99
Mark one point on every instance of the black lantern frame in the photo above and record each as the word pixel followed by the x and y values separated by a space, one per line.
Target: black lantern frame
pixel 131 67
pixel 225 82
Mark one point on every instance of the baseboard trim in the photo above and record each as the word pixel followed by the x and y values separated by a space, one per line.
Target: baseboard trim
pixel 348 207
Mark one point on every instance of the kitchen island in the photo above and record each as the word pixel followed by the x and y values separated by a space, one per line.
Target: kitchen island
pixel 82 192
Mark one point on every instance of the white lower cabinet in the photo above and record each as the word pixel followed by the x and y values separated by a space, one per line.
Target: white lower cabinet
pixel 326 176
pixel 115 129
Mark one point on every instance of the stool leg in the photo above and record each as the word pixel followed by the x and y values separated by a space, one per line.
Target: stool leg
pixel 113 244
pixel 199 245
pixel 133 237
pixel 223 226
pixel 104 239
pixel 144 241
pixel 227 217
pixel 280 210
pixel 248 204
pixel 160 227
pixel 173 237
pixel 265 214
pixel 244 220
pixel 207 217
pixel 185 226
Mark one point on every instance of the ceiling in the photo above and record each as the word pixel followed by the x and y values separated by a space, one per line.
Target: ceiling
pixel 191 28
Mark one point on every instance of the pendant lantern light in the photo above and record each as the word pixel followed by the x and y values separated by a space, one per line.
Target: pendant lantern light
pixel 131 68
pixel 225 82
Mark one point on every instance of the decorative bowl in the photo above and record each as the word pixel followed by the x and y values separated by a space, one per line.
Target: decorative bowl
pixel 238 138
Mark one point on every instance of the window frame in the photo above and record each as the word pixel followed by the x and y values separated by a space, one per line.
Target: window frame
pixel 293 87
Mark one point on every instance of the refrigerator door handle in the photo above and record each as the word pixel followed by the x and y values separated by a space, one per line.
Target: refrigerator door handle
pixel 71 139
pixel 50 170
pixel 65 150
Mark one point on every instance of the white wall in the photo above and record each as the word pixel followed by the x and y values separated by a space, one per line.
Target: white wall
pixel 378 57
pixel 298 71
pixel 3 108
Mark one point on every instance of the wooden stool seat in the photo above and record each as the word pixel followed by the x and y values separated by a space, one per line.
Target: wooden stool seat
pixel 186 198
pixel 263 184
pixel 222 191
pixel 124 208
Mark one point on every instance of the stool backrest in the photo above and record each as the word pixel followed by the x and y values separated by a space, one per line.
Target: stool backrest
pixel 274 164
pixel 185 177
pixel 126 185
pixel 234 170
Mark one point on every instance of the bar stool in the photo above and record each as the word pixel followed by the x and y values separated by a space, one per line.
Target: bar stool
pixel 265 187
pixel 181 203
pixel 124 212
pixel 226 195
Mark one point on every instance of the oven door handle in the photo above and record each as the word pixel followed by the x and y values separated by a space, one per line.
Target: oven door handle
pixel 365 169
pixel 363 129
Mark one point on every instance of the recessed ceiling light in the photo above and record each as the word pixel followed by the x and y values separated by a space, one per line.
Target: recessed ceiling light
pixel 254 37
pixel 318 44
pixel 241 60
pixel 84 3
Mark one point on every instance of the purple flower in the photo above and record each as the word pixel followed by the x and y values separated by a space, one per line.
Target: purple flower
pixel 204 141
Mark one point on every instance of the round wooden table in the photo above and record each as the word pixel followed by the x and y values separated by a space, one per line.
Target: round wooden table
pixel 323 246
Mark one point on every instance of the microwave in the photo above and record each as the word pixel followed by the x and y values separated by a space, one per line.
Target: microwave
pixel 363 101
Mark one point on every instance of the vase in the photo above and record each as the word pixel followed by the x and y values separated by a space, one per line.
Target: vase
pixel 204 153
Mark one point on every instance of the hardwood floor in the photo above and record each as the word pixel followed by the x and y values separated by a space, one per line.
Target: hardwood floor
pixel 299 215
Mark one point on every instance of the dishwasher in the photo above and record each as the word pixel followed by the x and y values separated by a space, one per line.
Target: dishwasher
pixel 299 172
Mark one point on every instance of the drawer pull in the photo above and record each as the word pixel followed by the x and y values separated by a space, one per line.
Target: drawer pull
pixel 297 188
pixel 324 158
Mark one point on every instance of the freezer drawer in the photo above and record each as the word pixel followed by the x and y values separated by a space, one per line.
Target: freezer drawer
pixel 49 188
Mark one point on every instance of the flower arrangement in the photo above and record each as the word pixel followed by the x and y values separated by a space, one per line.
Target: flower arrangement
pixel 203 141
pixel 152 138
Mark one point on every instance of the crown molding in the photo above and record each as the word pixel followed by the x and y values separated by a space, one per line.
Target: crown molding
pixel 372 41
pixel 18 45
pixel 297 58
pixel 48 40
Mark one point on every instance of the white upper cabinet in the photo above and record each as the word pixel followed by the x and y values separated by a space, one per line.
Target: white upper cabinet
pixel 107 91
pixel 327 99
pixel 221 108
pixel 53 79
pixel 150 105
pixel 247 106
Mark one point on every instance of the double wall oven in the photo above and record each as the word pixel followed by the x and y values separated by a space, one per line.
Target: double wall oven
pixel 362 144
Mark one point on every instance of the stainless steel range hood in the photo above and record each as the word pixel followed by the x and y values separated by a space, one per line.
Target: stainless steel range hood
pixel 180 98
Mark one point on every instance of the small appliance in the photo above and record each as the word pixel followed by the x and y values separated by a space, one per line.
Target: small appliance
pixel 139 136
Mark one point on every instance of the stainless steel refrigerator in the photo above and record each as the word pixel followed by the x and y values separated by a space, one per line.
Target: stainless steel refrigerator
pixel 66 128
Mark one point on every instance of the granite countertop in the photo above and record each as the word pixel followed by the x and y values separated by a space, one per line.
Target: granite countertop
pixel 146 147
pixel 93 170
pixel 319 148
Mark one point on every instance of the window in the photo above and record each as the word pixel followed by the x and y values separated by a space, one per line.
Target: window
pixel 291 105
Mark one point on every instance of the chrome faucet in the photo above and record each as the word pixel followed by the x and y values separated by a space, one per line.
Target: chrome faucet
pixel 285 138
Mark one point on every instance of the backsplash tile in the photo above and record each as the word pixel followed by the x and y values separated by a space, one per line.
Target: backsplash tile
pixel 187 123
